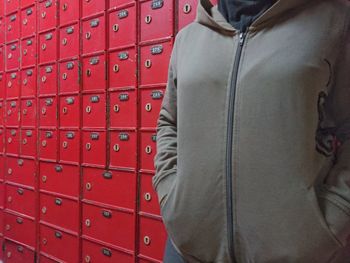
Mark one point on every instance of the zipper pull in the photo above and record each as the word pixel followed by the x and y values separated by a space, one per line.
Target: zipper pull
pixel 241 38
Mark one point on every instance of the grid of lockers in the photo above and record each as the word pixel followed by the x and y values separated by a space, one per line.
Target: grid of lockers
pixel 81 88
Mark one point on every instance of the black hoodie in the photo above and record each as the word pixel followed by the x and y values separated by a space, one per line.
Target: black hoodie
pixel 241 13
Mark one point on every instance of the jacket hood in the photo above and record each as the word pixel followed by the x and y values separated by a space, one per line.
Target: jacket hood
pixel 209 14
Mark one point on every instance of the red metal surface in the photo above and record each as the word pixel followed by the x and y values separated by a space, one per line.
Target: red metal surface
pixel 69 111
pixel 152 238
pixel 54 211
pixel 123 149
pixel 28 24
pixel 12 84
pixel 123 110
pixel 94 110
pixel 157 20
pixel 47 14
pixel 98 222
pixel 70 146
pixel 94 73
pixel 94 148
pixel 148 198
pixel 28 82
pixel 12 27
pixel 122 27
pixel 11 6
pixel 108 187
pixel 59 179
pixel 148 150
pixel 48 79
pixel 16 253
pixel 20 171
pixel 154 63
pixel 20 228
pixel 94 34
pixel 28 107
pixel 48 145
pixel 122 68
pixel 48 46
pixel 90 7
pixel 93 252
pixel 12 145
pixel 151 100
pixel 12 56
pixel 68 11
pixel 61 245
pixel 28 51
pixel 69 42
pixel 20 200
pixel 69 77
pixel 28 143
pixel 48 112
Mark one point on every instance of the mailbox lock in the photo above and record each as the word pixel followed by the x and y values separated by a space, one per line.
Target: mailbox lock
pixel 25 141
pixel 44 178
pixel 148 63
pixel 9 254
pixel 64 41
pixel 64 76
pixel 7 227
pixel 44 143
pixel 116 108
pixel 87 259
pixel 88 186
pixel 88 222
pixel 25 51
pixel 43 46
pixel 148 149
pixel 148 107
pixel 43 79
pixel 9 84
pixel 25 21
pixel 9 199
pixel 43 111
pixel 65 145
pixel 88 146
pixel 65 7
pixel 147 240
pixel 43 14
pixel 88 72
pixel 9 140
pixel 44 210
pixel 9 55
pixel 88 35
pixel 148 19
pixel 44 241
pixel 9 28
pixel 116 68
pixel 88 109
pixel 25 112
pixel 187 8
pixel 64 110
pixel 25 82
pixel 115 27
pixel 147 197
pixel 9 171
pixel 116 147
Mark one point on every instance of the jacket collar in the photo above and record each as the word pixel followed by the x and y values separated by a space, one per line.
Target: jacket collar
pixel 208 14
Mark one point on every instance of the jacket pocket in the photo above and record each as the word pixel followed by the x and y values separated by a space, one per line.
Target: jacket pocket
pixel 336 213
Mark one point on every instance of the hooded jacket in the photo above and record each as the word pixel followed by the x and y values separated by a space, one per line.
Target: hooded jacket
pixel 241 13
pixel 253 149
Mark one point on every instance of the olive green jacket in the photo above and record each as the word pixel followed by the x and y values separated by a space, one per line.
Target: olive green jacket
pixel 247 168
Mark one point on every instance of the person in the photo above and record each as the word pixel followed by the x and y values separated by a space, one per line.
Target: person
pixel 253 149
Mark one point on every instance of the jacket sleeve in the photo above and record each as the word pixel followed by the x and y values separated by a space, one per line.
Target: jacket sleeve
pixel 335 197
pixel 165 160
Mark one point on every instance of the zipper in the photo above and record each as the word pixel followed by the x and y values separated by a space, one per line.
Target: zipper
pixel 229 193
